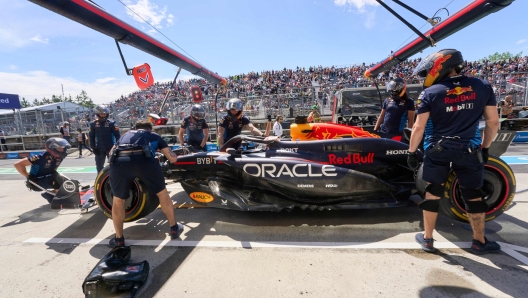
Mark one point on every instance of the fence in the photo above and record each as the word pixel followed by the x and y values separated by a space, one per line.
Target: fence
pixel 44 122
pixel 288 102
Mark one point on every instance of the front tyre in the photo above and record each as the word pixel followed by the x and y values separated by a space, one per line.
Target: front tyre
pixel 139 203
pixel 499 186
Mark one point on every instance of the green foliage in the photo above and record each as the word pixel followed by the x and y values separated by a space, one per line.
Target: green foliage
pixel 24 103
pixel 82 99
pixel 501 56
pixel 55 98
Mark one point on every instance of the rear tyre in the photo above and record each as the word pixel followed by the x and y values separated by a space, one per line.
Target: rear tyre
pixel 139 203
pixel 499 185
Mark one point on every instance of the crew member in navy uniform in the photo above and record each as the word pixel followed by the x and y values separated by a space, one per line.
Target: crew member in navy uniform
pixel 196 128
pixel 454 103
pixel 44 167
pixel 397 111
pixel 134 158
pixel 103 134
pixel 232 124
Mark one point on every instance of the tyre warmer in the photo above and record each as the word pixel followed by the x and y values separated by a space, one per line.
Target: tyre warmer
pixel 114 273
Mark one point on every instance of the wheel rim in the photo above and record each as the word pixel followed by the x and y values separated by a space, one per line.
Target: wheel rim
pixel 106 197
pixel 494 179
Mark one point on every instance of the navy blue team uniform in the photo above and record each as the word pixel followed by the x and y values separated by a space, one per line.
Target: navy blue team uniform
pixel 194 129
pixel 233 127
pixel 132 163
pixel 396 117
pixel 102 138
pixel 44 167
pixel 456 105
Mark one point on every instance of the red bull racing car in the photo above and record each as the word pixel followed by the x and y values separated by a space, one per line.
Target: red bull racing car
pixel 347 173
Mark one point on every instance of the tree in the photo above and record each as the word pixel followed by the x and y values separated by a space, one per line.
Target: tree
pixel 45 100
pixel 24 103
pixel 36 102
pixel 55 98
pixel 84 100
pixel 501 56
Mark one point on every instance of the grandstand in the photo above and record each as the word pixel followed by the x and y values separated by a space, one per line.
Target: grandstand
pixel 287 92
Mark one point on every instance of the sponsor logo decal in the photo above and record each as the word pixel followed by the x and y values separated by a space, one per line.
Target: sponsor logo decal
pixel 355 158
pixel 331 185
pixel 284 170
pixel 224 202
pixel 305 185
pixel 460 98
pixel 132 268
pixel 205 160
pixel 287 150
pixel 68 186
pixel 396 152
pixel 463 106
pixel 459 90
pixel 201 197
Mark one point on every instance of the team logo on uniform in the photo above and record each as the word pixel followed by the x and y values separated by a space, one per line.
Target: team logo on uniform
pixel 459 90
pixel 34 158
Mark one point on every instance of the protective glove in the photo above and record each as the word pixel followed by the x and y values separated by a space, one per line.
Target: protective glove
pixel 412 160
pixel 96 151
pixel 269 118
pixel 485 155
pixel 29 185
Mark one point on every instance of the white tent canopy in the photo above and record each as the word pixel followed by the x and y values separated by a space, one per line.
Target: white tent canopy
pixel 48 107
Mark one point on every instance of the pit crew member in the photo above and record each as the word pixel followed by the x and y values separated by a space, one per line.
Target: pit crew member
pixel 232 124
pixel 102 133
pixel 196 128
pixel 43 167
pixel 454 103
pixel 133 157
pixel 397 111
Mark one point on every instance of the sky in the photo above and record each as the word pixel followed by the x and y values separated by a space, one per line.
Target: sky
pixel 42 52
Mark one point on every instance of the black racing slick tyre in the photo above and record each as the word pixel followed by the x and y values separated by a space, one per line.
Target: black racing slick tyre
pixel 139 204
pixel 499 186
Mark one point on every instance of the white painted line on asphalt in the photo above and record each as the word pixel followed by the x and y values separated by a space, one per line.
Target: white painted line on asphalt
pixel 506 248
pixel 509 249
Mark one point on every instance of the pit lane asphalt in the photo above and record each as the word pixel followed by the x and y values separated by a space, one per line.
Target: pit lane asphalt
pixel 224 253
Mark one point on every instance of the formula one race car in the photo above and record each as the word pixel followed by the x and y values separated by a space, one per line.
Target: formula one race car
pixel 348 173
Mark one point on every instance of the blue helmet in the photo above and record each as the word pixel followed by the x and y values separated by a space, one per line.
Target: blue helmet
pixel 100 110
pixel 197 112
pixel 57 147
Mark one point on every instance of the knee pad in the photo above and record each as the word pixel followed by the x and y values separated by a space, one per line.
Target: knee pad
pixel 476 207
pixel 436 190
pixel 430 205
pixel 471 193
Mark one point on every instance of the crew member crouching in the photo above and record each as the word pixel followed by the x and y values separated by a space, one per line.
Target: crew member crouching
pixel 43 168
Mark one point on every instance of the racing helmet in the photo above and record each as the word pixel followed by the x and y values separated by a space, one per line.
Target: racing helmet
pixel 438 65
pixel 396 88
pixel 234 104
pixel 54 146
pixel 197 112
pixel 99 110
